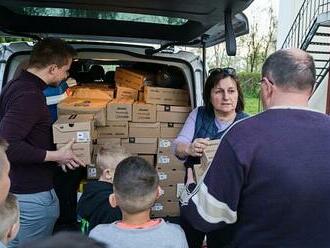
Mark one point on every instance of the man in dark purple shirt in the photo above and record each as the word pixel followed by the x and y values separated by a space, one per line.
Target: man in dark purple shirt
pixel 4 172
pixel 269 180
pixel 25 123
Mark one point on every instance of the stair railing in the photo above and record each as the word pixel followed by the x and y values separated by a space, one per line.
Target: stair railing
pixel 305 19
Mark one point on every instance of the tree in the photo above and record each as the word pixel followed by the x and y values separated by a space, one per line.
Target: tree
pixel 270 36
pixel 259 44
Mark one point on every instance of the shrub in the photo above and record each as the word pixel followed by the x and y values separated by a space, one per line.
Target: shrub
pixel 249 83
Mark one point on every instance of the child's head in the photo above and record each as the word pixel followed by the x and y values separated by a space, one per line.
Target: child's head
pixel 136 185
pixel 107 160
pixel 64 240
pixel 9 216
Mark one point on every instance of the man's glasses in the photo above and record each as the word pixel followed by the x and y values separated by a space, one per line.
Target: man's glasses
pixel 228 71
pixel 264 80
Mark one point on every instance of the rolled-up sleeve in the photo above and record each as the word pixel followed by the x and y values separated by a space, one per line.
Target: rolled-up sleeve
pixel 187 132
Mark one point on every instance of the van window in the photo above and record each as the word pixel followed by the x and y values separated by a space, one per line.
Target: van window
pixel 99 14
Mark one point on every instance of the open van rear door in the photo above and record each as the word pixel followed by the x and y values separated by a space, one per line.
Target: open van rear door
pixel 199 23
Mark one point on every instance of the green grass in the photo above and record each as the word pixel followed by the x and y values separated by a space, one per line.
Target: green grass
pixel 252 106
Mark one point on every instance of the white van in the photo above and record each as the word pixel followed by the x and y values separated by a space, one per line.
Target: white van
pixel 103 33
pixel 108 34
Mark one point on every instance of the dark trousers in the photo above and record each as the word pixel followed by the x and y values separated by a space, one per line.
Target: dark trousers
pixel 66 185
pixel 215 239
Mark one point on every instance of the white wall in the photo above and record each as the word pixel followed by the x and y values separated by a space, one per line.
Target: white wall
pixel 318 100
pixel 288 10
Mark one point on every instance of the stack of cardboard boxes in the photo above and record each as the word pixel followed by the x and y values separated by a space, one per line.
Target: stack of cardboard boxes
pixel 79 127
pixel 143 119
pixel 170 169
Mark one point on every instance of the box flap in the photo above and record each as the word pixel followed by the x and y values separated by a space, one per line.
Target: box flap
pixel 74 122
pixel 82 104
pixel 92 93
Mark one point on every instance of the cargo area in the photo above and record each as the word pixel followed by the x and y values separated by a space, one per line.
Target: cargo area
pixel 139 106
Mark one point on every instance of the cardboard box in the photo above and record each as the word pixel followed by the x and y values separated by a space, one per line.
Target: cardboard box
pixel 171 177
pixel 108 142
pixel 141 96
pixel 97 107
pixel 81 150
pixel 140 145
pixel 175 114
pixel 115 129
pixel 134 79
pixel 149 158
pixel 166 96
pixel 102 93
pixel 164 209
pixel 165 146
pixel 166 162
pixel 92 172
pixel 170 130
pixel 209 152
pixel 125 92
pixel 199 171
pixel 120 110
pixel 77 127
pixel 143 112
pixel 144 130
pixel 171 193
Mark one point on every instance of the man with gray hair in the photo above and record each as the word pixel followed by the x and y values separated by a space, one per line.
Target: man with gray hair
pixel 4 171
pixel 269 179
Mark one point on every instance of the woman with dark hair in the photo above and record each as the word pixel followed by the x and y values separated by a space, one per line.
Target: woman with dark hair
pixel 224 105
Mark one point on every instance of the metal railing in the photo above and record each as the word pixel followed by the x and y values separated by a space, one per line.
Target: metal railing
pixel 304 21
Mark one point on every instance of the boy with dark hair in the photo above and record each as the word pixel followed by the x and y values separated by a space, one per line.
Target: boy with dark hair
pixel 93 206
pixel 65 240
pixel 136 187
pixel 9 216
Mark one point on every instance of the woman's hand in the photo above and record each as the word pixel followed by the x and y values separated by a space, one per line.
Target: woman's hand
pixel 196 148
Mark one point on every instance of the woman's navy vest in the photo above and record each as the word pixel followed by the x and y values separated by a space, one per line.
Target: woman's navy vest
pixel 205 127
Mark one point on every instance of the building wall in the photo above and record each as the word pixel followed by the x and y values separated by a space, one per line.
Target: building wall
pixel 288 10
pixel 318 101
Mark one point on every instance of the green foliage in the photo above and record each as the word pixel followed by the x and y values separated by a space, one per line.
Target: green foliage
pixel 4 39
pixel 249 83
pixel 252 105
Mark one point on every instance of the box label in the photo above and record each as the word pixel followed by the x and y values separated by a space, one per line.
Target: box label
pixel 91 172
pixel 157 207
pixel 162 176
pixel 164 143
pixel 163 159
pixel 167 108
pixel 179 188
pixel 83 136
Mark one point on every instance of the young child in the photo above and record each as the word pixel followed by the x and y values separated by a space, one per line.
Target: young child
pixel 9 220
pixel 93 206
pixel 136 187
